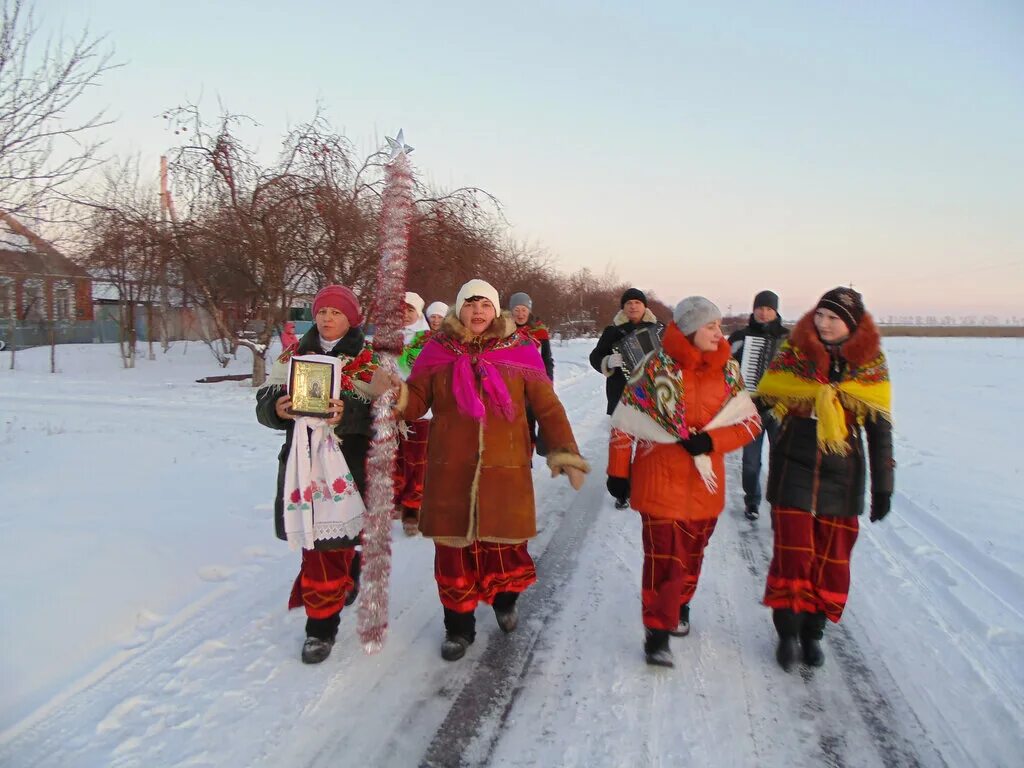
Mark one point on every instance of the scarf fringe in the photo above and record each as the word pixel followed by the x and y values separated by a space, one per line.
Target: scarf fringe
pixel 781 406
pixel 788 383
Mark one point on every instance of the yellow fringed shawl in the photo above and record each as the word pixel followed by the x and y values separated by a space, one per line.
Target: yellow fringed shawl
pixel 865 390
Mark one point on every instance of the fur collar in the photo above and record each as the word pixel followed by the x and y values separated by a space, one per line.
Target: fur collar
pixel 621 319
pixel 351 344
pixel 689 358
pixel 502 327
pixel 860 348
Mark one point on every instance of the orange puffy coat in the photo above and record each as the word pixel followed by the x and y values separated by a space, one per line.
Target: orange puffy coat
pixel 663 479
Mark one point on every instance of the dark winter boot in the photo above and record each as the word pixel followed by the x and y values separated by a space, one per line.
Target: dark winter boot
pixel 622 503
pixel 684 622
pixel 410 521
pixel 810 639
pixel 505 610
pixel 353 571
pixel 751 512
pixel 454 647
pixel 787 624
pixel 316 649
pixel 460 632
pixel 323 629
pixel 656 648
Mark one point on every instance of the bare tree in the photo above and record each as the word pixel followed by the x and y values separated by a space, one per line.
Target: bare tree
pixel 41 147
pixel 125 247
pixel 244 238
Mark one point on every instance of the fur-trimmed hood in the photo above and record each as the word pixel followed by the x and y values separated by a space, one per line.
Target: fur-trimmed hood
pixel 502 327
pixel 686 354
pixel 621 319
pixel 862 346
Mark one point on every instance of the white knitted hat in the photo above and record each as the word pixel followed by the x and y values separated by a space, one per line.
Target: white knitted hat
pixel 477 288
pixel 415 301
pixel 437 308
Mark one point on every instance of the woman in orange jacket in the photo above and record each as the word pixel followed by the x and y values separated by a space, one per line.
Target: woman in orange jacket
pixel 680 413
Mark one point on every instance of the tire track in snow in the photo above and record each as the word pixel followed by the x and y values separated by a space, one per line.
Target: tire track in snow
pixel 876 709
pixel 474 723
pixel 419 720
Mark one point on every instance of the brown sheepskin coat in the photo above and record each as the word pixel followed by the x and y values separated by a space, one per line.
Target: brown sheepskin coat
pixel 479 484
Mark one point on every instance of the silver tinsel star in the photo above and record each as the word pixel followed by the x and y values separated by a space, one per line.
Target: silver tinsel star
pixel 398 145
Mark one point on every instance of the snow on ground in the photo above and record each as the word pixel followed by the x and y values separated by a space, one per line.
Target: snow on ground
pixel 143 621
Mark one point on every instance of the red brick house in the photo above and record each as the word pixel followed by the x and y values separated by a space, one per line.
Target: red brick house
pixel 41 287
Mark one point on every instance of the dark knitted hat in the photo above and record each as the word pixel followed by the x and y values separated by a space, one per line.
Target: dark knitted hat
pixel 767 299
pixel 846 303
pixel 632 294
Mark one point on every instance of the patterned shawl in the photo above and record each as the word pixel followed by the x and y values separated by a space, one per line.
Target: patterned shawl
pixel 412 350
pixel 475 369
pixel 799 377
pixel 653 405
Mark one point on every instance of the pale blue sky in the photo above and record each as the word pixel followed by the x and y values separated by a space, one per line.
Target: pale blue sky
pixel 694 147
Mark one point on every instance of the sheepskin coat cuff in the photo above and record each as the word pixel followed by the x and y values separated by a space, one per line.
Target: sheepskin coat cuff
pixel 563 458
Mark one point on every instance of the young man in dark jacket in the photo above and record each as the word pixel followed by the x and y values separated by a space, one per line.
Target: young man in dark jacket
pixel 765 326
pixel 607 359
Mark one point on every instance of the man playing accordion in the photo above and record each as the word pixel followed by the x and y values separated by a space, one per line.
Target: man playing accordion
pixel 754 347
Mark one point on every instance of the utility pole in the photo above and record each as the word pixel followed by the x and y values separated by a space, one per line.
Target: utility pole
pixel 167 215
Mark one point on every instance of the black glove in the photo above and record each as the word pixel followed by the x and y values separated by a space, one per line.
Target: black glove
pixel 697 444
pixel 880 504
pixel 618 487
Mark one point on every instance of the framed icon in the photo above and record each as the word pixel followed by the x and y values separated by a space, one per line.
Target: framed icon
pixel 311 384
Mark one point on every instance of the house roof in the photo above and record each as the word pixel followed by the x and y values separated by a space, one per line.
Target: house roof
pixel 22 251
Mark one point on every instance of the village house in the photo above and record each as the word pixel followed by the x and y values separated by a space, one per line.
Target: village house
pixel 41 290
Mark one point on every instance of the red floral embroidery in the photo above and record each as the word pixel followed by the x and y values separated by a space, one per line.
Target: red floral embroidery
pixel 339 485
pixel 296 497
pixel 308 493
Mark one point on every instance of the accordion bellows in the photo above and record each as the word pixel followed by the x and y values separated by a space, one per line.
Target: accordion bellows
pixel 754 360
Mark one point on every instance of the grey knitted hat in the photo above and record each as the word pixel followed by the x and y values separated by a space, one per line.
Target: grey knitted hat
pixel 693 312
pixel 520 298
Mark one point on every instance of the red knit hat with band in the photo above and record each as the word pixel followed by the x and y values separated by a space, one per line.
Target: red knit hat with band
pixel 341 298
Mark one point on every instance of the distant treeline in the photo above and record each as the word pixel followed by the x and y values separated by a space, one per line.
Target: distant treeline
pixel 978 331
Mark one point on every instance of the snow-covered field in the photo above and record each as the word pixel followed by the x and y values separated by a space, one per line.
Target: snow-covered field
pixel 143 621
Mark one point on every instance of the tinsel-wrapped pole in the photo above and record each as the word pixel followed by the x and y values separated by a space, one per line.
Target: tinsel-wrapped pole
pixel 389 294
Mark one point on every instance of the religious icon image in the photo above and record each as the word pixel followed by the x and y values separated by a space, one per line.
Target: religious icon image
pixel 310 385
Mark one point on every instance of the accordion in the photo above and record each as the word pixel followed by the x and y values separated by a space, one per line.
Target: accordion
pixel 757 353
pixel 637 348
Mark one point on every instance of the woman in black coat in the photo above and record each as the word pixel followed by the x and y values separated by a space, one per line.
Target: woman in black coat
pixel 829 383
pixel 329 573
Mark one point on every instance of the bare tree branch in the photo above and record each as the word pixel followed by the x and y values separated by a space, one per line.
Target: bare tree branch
pixel 42 148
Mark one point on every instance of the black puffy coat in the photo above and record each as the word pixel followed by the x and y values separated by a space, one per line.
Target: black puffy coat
pixel 800 474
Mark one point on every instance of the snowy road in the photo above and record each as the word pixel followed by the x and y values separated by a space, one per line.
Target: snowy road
pixel 926 669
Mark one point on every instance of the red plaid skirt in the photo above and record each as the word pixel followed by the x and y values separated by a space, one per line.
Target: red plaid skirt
pixel 323 581
pixel 810 570
pixel 411 467
pixel 673 555
pixel 467 575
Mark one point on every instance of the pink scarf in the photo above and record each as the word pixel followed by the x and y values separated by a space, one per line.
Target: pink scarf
pixel 472 367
